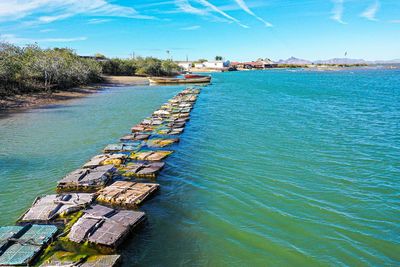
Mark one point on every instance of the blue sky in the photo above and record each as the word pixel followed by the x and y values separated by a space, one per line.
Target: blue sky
pixel 234 29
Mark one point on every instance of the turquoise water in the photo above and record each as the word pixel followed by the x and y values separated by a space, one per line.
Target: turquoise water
pixel 275 168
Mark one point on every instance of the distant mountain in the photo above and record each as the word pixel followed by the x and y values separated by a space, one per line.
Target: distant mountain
pixel 350 61
pixel 334 61
pixel 294 61
pixel 393 61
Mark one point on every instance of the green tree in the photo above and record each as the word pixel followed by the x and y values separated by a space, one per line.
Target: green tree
pixel 118 66
pixel 99 56
pixel 169 67
pixel 149 66
pixel 201 60
pixel 34 69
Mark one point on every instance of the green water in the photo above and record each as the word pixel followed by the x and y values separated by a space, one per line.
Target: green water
pixel 275 168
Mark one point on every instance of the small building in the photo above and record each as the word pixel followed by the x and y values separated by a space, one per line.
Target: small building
pixel 237 65
pixel 213 65
pixel 216 64
pixel 185 65
pixel 255 65
pixel 199 65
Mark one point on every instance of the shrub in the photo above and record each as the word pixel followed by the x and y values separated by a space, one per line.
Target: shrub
pixel 31 68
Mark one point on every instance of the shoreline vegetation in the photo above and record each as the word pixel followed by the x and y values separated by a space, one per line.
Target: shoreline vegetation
pixel 31 69
pixel 31 76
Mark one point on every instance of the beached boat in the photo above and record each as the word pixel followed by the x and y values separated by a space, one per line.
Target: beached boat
pixel 192 76
pixel 163 80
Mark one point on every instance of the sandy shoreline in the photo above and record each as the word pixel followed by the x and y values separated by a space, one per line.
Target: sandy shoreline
pixel 125 80
pixel 35 100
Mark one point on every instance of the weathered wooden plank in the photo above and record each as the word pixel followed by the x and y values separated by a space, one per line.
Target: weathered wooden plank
pixel 104 226
pixel 150 155
pixel 105 159
pixel 87 179
pixel 46 208
pixel 142 169
pixel 126 194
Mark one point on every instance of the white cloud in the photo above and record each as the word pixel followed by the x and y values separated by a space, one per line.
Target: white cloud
pixel 244 6
pixel 186 7
pixel 61 40
pixel 234 6
pixel 48 19
pixel 47 30
pixel 52 10
pixel 98 21
pixel 156 4
pixel 19 40
pixel 191 28
pixel 222 13
pixel 14 9
pixel 370 12
pixel 337 11
pixel 205 11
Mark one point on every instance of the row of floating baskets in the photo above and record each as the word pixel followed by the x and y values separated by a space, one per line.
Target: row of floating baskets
pixel 96 206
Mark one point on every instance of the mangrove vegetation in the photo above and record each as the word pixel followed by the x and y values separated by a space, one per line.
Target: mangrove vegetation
pixel 33 69
pixel 148 66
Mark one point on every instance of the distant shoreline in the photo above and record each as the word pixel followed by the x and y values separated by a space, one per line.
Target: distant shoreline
pixel 327 67
pixel 19 103
pixel 311 67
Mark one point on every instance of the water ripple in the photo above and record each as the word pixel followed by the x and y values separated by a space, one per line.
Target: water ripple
pixel 274 168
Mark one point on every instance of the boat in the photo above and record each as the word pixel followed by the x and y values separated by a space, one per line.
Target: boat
pixel 164 80
pixel 191 76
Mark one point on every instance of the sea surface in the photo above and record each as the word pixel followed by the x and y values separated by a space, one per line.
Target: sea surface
pixel 275 168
